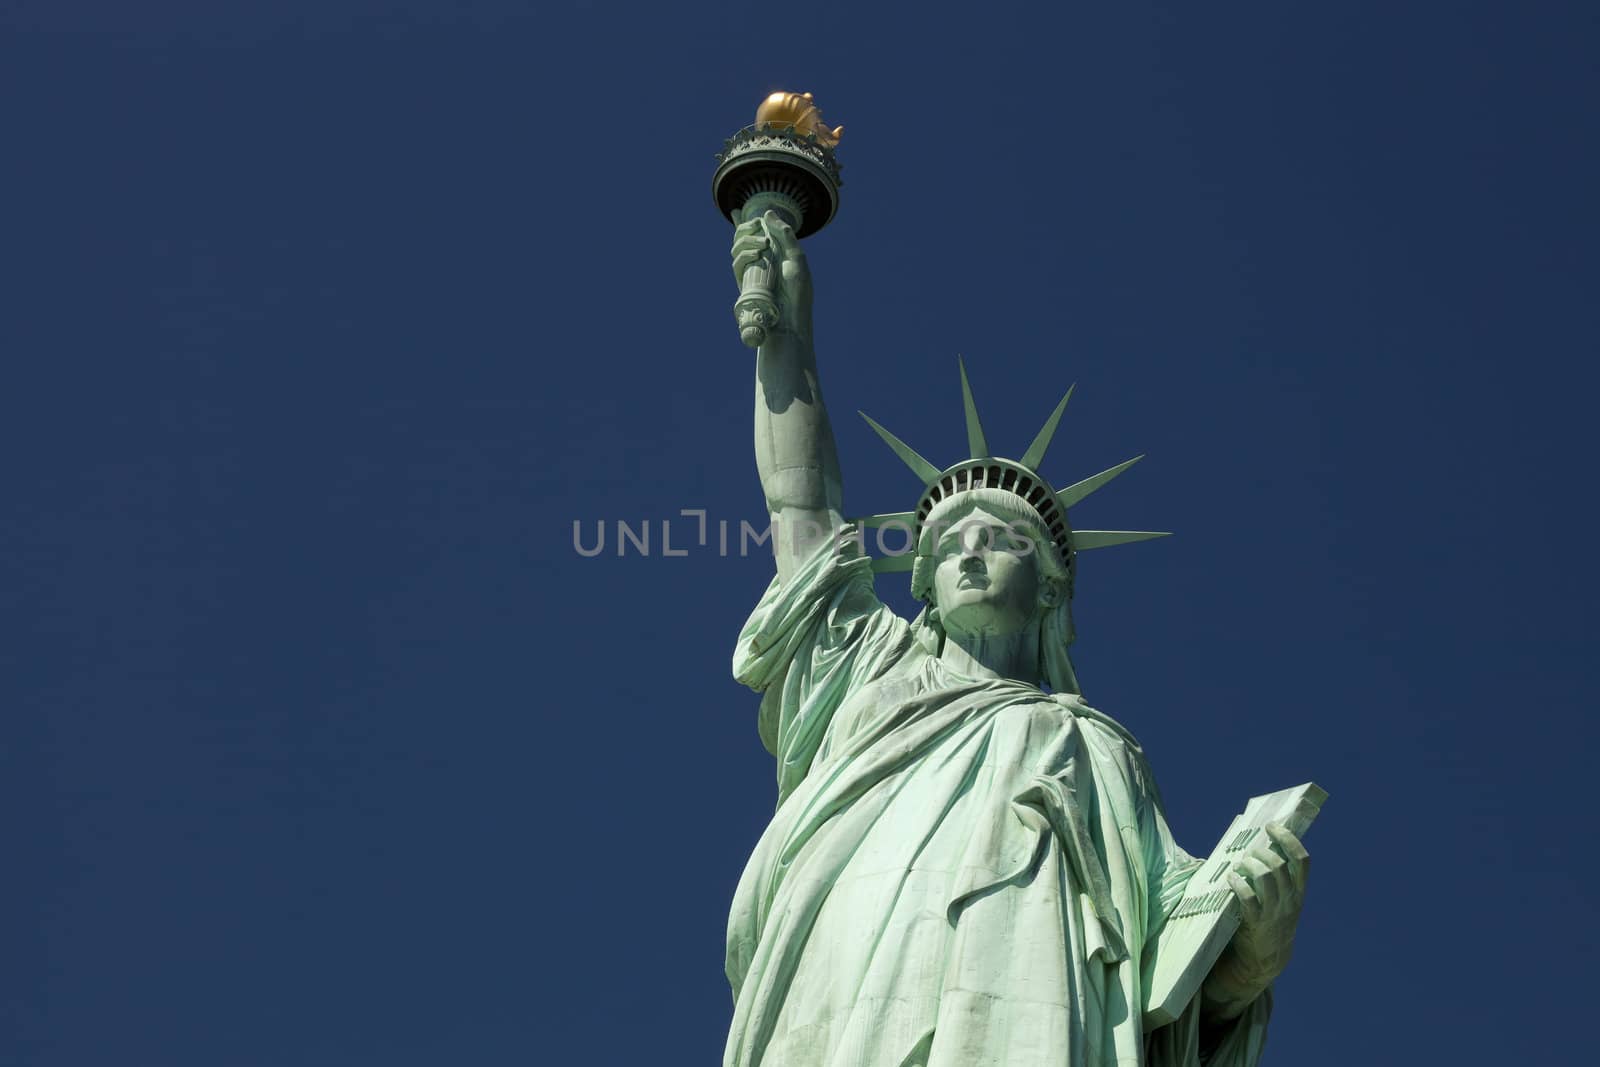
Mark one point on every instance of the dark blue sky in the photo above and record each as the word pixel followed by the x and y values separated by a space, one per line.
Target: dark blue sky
pixel 324 322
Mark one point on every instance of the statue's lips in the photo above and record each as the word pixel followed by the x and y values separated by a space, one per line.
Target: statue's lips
pixel 973 581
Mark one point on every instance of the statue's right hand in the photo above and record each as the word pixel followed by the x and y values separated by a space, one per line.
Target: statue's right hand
pixel 769 237
pixel 750 244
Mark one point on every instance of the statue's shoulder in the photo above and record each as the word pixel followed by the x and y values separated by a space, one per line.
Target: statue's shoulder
pixel 1113 736
pixel 1118 757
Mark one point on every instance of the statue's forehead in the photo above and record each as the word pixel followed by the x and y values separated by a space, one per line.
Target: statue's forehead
pixel 948 527
pixel 973 514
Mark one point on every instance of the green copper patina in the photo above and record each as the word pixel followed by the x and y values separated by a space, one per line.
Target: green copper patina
pixel 968 865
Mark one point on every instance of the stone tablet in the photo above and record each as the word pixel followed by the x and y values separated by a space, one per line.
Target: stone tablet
pixel 1208 913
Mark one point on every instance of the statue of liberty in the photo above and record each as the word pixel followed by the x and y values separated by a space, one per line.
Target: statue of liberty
pixel 969 866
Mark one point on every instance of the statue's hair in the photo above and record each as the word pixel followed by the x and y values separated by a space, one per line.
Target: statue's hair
pixel 1056 630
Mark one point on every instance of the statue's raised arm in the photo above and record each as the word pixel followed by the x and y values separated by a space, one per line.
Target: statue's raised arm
pixel 795 453
pixel 777 181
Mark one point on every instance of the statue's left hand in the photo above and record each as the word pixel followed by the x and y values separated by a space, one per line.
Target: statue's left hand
pixel 1270 883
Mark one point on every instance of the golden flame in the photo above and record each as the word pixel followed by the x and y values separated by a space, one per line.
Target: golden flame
pixel 800 111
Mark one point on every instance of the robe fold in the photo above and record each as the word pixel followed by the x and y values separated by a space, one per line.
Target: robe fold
pixel 960 872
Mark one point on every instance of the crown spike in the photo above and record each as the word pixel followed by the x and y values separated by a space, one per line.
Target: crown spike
pixel 906 519
pixel 1084 540
pixel 1035 454
pixel 893 564
pixel 977 444
pixel 1072 494
pixel 919 466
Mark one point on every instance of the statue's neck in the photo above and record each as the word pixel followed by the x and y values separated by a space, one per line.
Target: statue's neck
pixel 1014 656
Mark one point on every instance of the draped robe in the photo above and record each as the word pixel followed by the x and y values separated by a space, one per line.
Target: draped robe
pixel 960 873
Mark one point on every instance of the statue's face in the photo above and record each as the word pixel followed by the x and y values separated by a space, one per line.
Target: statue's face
pixel 987 577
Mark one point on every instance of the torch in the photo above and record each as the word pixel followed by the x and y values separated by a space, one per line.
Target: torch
pixel 783 163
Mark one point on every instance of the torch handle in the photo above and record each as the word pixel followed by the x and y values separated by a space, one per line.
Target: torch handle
pixel 756 310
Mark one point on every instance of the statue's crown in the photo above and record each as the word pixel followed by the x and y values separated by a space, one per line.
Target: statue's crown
pixel 1019 478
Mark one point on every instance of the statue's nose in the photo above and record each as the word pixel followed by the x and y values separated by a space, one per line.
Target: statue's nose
pixel 971 562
